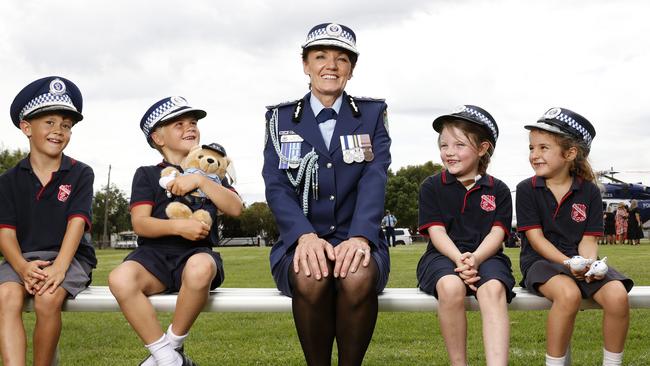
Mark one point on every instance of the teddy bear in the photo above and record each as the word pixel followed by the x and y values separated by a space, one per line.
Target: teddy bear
pixel 208 160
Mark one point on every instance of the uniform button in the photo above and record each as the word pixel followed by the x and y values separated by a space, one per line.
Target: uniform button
pixel 332 198
pixel 332 228
pixel 329 165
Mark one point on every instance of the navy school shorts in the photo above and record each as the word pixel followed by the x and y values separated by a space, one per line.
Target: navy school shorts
pixel 281 273
pixel 433 266
pixel 167 264
pixel 542 271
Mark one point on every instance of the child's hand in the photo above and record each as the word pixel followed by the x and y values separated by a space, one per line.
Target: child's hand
pixel 184 184
pixel 191 229
pixel 579 274
pixel 55 276
pixel 467 270
pixel 32 273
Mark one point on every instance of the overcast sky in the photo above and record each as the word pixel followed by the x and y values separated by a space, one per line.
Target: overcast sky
pixel 232 58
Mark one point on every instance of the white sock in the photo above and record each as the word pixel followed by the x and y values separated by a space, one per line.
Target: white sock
pixel 611 358
pixel 175 340
pixel 163 353
pixel 555 361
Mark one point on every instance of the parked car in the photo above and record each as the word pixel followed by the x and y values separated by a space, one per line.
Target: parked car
pixel 403 236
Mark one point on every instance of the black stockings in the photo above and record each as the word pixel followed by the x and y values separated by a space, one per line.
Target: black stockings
pixel 345 309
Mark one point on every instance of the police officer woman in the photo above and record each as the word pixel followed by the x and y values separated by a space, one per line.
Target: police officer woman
pixel 325 164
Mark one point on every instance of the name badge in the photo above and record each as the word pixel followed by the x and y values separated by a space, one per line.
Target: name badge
pixel 291 138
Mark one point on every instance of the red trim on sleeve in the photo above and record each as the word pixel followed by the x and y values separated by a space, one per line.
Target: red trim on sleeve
pixel 5 226
pixel 150 203
pixel 86 219
pixel 502 226
pixel 530 227
pixel 593 233
pixel 423 229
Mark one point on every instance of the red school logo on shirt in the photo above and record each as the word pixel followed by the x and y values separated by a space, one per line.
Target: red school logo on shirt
pixel 64 192
pixel 488 202
pixel 579 212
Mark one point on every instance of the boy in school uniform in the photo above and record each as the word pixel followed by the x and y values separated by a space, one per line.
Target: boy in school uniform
pixel 45 204
pixel 172 255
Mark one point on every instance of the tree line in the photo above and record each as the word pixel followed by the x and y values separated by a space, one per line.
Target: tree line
pixel 256 219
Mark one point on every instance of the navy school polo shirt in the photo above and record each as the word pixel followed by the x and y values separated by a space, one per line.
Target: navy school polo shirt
pixel 40 214
pixel 467 215
pixel 146 190
pixel 579 213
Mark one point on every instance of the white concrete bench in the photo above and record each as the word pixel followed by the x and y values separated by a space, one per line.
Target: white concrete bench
pixel 100 299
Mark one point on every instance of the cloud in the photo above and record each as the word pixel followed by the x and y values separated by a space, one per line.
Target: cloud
pixel 515 59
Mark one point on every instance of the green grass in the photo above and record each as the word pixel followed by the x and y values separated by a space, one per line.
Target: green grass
pixel 399 338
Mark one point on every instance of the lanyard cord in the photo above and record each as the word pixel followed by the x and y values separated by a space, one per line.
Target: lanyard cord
pixel 307 170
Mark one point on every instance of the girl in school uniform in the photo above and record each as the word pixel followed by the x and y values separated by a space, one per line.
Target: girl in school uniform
pixel 560 212
pixel 467 214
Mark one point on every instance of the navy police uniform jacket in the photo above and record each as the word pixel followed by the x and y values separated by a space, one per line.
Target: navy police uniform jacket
pixel 40 214
pixel 350 198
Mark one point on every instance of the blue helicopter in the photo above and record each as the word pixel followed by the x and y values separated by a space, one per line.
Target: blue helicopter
pixel 616 191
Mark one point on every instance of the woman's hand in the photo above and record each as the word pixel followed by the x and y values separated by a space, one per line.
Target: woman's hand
pixel 349 254
pixel 32 273
pixel 311 256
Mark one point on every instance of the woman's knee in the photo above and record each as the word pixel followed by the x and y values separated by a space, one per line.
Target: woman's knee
pixel 309 289
pixel 199 271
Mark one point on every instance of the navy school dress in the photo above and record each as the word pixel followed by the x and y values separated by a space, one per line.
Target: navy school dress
pixel 348 199
pixel 579 213
pixel 468 216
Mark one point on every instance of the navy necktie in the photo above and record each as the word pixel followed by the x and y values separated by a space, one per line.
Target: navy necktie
pixel 325 114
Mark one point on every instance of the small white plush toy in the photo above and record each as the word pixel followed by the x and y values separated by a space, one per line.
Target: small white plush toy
pixel 578 263
pixel 598 268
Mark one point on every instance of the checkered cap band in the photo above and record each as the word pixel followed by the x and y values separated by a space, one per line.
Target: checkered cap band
pixel 47 100
pixel 488 122
pixel 572 123
pixel 158 114
pixel 321 33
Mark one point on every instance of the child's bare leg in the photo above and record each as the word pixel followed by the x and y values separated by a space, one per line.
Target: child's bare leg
pixel 496 327
pixel 13 344
pixel 566 298
pixel 131 283
pixel 198 274
pixel 616 315
pixel 451 314
pixel 47 330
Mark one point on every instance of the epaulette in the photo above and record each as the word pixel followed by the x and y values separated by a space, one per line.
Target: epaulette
pixel 283 104
pixel 368 99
